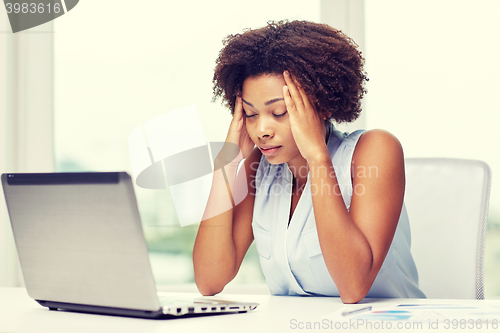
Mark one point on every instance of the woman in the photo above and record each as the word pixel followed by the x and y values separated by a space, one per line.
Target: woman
pixel 324 207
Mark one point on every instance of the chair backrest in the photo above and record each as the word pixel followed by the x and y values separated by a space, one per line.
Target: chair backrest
pixel 447 202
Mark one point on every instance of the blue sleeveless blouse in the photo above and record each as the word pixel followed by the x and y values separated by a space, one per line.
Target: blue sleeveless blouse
pixel 290 254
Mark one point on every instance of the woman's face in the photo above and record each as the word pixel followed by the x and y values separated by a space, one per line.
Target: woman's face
pixel 267 119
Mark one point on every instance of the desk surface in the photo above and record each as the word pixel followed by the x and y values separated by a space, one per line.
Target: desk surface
pixel 19 313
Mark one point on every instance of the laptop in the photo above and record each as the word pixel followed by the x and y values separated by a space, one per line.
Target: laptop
pixel 81 247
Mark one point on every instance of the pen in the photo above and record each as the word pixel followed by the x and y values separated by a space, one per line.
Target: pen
pixel 346 313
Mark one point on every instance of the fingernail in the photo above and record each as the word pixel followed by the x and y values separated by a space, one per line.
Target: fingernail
pixel 287 74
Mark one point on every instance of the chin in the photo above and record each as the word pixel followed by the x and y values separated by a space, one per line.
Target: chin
pixel 275 160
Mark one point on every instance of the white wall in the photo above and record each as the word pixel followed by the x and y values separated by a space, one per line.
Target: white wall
pixel 433 69
pixel 26 118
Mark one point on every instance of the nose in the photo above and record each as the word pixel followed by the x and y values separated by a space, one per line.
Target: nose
pixel 264 128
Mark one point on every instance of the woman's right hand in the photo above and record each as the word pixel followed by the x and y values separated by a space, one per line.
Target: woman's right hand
pixel 238 144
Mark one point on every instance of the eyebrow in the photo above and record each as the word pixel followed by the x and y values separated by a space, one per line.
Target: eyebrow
pixel 274 100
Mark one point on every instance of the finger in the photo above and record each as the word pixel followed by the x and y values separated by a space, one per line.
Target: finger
pixel 294 93
pixel 238 110
pixel 292 87
pixel 306 101
pixel 238 118
pixel 289 103
pixel 303 95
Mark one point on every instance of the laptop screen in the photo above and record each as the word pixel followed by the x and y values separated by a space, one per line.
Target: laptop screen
pixel 80 240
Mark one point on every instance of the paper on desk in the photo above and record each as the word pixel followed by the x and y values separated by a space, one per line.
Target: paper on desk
pixel 448 312
pixel 386 313
pixel 442 312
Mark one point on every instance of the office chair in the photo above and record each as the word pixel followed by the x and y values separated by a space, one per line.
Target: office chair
pixel 447 202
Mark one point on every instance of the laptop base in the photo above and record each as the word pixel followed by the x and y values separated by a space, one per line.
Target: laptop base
pixel 103 310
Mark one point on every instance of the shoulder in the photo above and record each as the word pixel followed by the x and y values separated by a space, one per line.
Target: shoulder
pixel 379 148
pixel 377 144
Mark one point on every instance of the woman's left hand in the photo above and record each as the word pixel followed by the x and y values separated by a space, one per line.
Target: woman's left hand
pixel 308 128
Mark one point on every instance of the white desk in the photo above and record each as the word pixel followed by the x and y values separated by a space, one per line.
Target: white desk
pixel 19 313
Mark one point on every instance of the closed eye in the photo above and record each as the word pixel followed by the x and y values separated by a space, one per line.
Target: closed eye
pixel 280 115
pixel 248 115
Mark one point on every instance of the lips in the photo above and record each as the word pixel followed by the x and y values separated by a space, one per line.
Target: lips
pixel 269 150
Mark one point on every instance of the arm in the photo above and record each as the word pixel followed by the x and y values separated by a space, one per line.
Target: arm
pixel 225 233
pixel 354 243
pixel 223 240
